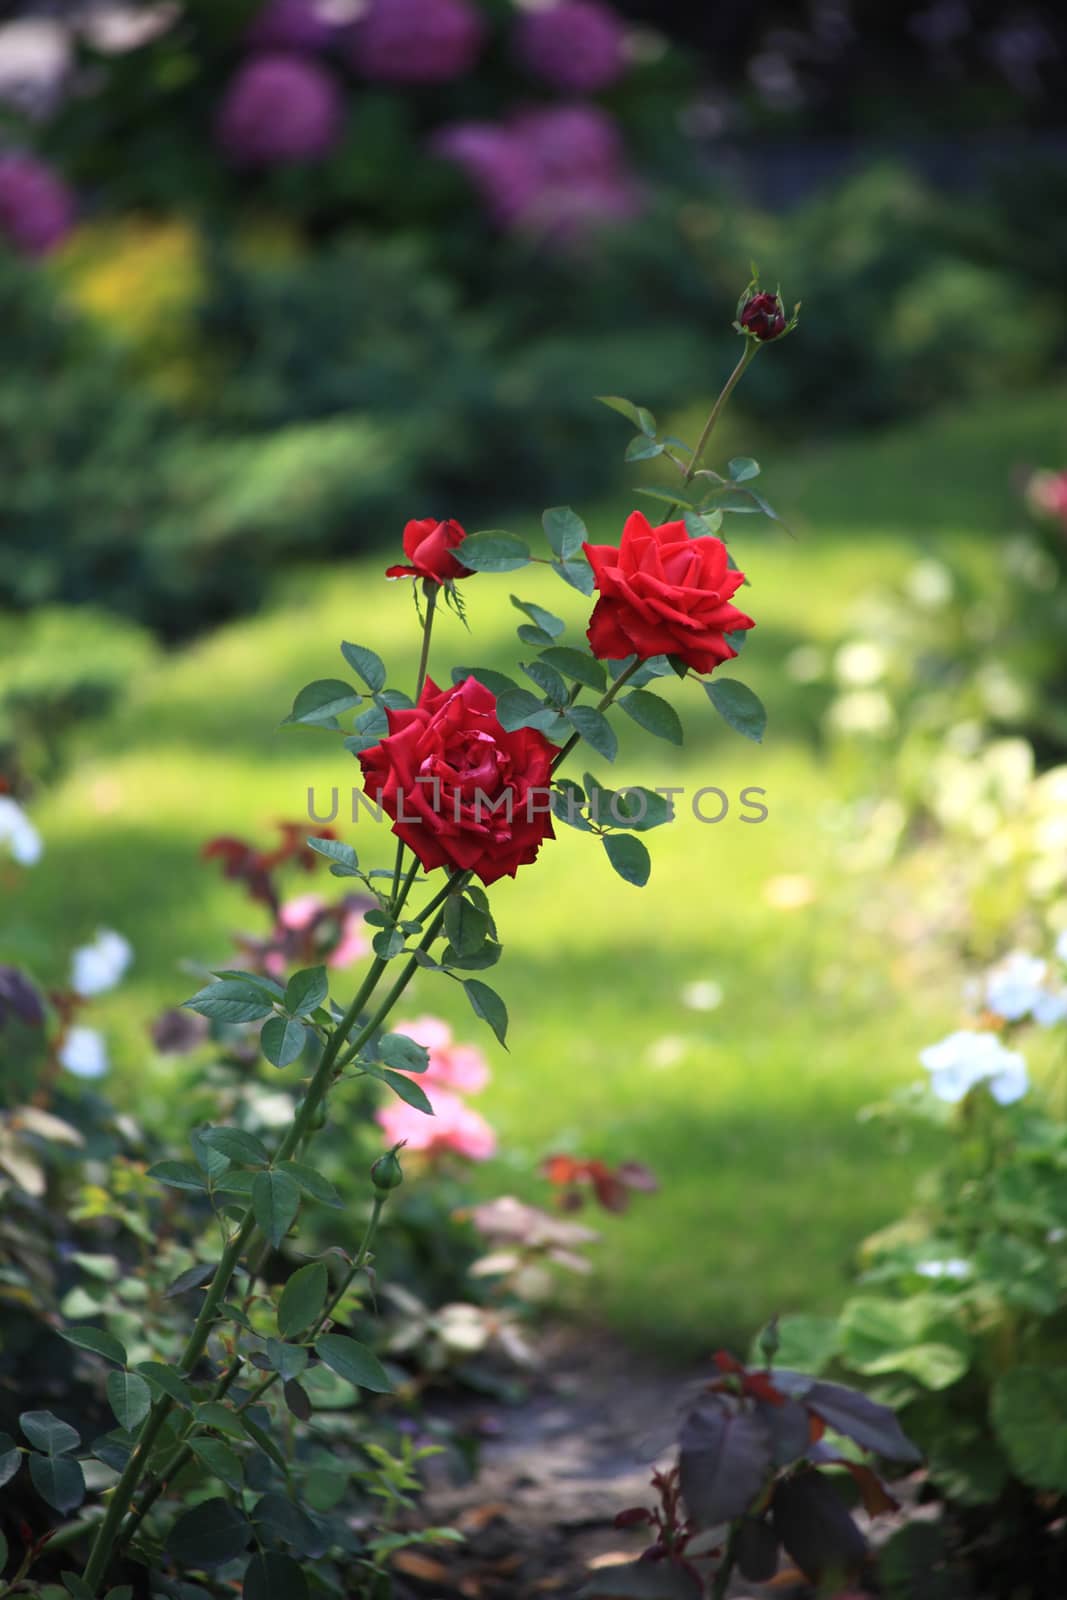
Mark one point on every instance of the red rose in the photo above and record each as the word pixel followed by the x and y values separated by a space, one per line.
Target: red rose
pixel 663 593
pixel 428 546
pixel 763 315
pixel 462 792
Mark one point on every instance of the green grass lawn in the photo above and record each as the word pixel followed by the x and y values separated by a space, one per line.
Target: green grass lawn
pixel 748 1111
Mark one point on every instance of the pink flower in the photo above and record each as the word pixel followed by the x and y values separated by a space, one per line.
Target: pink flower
pixel 293 25
pixel 452 1066
pixel 453 1127
pixel 557 171
pixel 417 41
pixel 310 930
pixel 280 108
pixel 575 45
pixel 1047 496
pixel 36 207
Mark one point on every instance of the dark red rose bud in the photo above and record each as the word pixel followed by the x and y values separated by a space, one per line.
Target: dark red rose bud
pixel 428 545
pixel 764 316
pixel 633 1517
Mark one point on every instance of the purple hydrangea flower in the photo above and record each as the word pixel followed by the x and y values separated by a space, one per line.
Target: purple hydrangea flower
pixel 36 207
pixel 293 25
pixel 505 174
pixel 577 45
pixel 558 171
pixel 417 41
pixel 280 108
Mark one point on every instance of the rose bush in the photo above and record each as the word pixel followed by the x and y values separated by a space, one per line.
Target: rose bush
pixel 468 773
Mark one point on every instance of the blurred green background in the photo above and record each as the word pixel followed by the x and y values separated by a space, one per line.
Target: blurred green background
pixel 274 281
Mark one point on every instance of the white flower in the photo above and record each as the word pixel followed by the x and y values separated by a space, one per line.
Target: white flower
pixel 19 833
pixel 862 711
pixel 97 967
pixel 1061 947
pixel 930 584
pixel 704 995
pixel 84 1053
pixel 966 1058
pixel 860 663
pixel 953 1267
pixel 1014 986
pixel 1018 987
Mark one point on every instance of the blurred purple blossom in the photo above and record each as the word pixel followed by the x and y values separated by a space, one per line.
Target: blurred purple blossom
pixel 577 45
pixel 417 41
pixel 557 171
pixel 19 998
pixel 295 25
pixel 36 207
pixel 280 108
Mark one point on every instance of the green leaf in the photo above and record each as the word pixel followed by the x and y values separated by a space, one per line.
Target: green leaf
pixel 487 1004
pixel 742 468
pixel 737 705
pixel 302 1299
pixel 496 682
pixel 547 621
pixel 342 855
pixel 306 991
pixel 220 1460
pixel 46 1432
pixel 238 1146
pixel 409 1091
pixel 699 524
pixel 595 729
pixel 274 1576
pixel 169 1380
pixel 565 531
pixel 577 665
pixel 806 1343
pixel 312 1183
pixel 367 665
pixel 130 1399
pixel 577 572
pixel 654 714
pixel 568 804
pixel 353 1362
pixel 58 1480
pixel 282 1040
pixel 1029 1407
pixel 10 1459
pixel 231 1000
pixel 466 927
pixel 916 1336
pixel 641 448
pixel 275 1203
pixel 518 708
pixel 77 1586
pixel 319 704
pixel 96 1340
pixel 629 857
pixel 640 809
pixel 397 1050
pixel 493 550
pixel 548 680
pixel 179 1175
pixel 288 1360
pixel 640 416
pixel 222 1418
pixel 277 1517
pixel 669 497
pixel 209 1535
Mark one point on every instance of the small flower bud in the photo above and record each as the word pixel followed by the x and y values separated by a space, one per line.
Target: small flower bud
pixel 770 1341
pixel 387 1173
pixel 763 316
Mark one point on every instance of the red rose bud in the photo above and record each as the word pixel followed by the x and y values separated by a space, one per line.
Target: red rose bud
pixel 663 593
pixel 428 546
pixel 763 315
pixel 463 792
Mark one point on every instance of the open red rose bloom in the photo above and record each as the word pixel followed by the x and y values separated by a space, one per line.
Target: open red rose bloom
pixel 461 791
pixel 663 593
pixel 428 545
